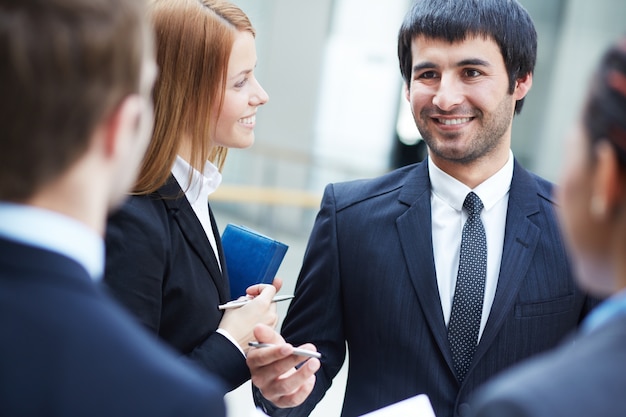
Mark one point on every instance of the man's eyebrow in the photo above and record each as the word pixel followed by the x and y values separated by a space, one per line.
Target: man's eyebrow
pixel 473 62
pixel 423 66
pixel 463 63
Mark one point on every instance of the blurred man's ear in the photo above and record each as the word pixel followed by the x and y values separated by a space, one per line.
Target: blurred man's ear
pixel 607 194
pixel 123 124
pixel 407 92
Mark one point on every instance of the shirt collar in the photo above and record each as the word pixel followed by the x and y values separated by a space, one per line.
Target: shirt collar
pixel 200 184
pixel 453 192
pixel 55 232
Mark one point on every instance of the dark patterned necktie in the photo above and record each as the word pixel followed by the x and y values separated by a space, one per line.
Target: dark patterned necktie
pixel 467 304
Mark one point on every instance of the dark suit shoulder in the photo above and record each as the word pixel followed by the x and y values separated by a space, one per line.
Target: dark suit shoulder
pixel 150 206
pixel 141 219
pixel 75 353
pixel 353 192
pixel 153 206
pixel 570 380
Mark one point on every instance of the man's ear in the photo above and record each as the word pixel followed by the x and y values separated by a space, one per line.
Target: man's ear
pixel 607 187
pixel 407 91
pixel 522 86
pixel 122 124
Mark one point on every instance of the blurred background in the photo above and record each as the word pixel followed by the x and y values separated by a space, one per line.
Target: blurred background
pixel 336 112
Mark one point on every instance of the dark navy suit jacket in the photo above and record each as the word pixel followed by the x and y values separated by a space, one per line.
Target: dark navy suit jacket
pixel 368 280
pixel 160 265
pixel 584 378
pixel 68 350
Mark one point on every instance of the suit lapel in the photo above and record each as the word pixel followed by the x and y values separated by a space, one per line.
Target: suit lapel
pixel 415 232
pixel 224 288
pixel 520 240
pixel 193 231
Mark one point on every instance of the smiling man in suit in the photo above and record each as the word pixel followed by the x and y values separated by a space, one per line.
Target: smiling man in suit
pixel 440 274
pixel 75 118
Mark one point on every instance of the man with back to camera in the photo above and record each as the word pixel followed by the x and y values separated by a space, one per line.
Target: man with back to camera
pixel 440 274
pixel 585 378
pixel 75 118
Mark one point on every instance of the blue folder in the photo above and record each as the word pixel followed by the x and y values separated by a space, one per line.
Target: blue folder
pixel 251 258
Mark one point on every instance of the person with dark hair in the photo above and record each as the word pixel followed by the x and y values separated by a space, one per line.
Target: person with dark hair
pixel 439 275
pixel 586 377
pixel 76 116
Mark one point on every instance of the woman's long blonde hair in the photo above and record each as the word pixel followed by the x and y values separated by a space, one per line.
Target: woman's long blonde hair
pixel 194 39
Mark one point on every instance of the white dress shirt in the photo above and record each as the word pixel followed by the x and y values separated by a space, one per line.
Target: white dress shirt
pixel 448 218
pixel 197 190
pixel 55 232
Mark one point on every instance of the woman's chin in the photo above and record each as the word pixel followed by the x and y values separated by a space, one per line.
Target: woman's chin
pixel 241 143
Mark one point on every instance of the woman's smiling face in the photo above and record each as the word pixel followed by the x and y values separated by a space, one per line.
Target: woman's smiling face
pixel 243 95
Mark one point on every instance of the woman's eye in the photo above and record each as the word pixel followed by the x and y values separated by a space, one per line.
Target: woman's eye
pixel 241 83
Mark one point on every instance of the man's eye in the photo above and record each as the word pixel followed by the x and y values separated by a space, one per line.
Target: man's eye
pixel 428 75
pixel 472 73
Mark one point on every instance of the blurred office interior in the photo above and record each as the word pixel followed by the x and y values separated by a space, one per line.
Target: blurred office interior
pixel 337 112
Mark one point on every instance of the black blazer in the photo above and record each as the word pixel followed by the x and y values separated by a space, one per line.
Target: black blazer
pixel 68 350
pixel 584 378
pixel 160 265
pixel 368 280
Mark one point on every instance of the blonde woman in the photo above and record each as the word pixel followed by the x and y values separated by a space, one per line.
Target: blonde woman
pixel 164 256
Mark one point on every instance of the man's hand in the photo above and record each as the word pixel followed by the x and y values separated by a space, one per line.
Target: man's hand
pixel 274 372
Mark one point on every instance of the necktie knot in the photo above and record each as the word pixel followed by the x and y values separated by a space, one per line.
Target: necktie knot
pixel 473 204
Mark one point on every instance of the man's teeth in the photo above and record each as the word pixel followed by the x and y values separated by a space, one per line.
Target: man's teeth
pixel 454 121
pixel 248 120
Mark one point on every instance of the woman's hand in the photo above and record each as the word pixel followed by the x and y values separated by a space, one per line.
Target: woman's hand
pixel 239 322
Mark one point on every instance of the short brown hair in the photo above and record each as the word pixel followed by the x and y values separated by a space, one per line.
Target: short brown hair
pixel 65 65
pixel 194 39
